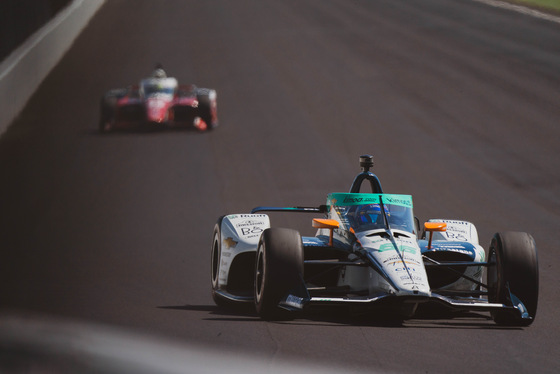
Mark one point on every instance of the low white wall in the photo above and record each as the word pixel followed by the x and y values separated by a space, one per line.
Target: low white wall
pixel 23 70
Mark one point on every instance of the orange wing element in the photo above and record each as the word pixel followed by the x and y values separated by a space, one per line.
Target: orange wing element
pixel 434 226
pixel 331 224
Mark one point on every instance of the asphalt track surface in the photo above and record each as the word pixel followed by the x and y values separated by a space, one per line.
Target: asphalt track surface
pixel 457 101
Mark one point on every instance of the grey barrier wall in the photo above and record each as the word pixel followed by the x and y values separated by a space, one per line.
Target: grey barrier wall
pixel 25 67
pixel 19 19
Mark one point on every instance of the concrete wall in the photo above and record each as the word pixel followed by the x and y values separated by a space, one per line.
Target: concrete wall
pixel 19 19
pixel 26 67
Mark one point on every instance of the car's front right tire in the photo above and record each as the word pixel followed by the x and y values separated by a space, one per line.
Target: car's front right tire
pixel 515 271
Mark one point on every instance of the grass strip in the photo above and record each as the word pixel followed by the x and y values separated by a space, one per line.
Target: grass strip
pixel 543 4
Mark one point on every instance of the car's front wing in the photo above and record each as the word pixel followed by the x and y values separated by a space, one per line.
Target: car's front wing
pixel 295 303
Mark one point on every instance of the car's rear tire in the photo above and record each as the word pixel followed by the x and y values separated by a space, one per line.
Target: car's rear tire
pixel 516 270
pixel 206 107
pixel 278 269
pixel 106 112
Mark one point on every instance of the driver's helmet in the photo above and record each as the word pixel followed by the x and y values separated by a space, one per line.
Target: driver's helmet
pixel 370 214
pixel 159 73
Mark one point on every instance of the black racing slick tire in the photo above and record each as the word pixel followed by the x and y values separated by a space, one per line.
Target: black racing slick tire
pixel 106 112
pixel 278 269
pixel 215 265
pixel 107 107
pixel 516 270
pixel 205 108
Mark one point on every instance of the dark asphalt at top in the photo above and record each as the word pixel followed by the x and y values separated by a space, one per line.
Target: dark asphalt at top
pixel 457 101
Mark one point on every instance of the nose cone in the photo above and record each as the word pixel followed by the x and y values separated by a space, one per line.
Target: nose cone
pixel 156 110
pixel 400 259
pixel 414 291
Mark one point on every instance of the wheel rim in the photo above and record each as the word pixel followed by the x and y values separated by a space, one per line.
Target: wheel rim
pixel 215 261
pixel 259 275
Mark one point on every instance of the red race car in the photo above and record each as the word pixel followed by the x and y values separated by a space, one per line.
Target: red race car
pixel 159 102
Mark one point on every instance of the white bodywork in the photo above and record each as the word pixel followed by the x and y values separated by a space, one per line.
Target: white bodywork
pixel 403 268
pixel 461 231
pixel 457 231
pixel 239 233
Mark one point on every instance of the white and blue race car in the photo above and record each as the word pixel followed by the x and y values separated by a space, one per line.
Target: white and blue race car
pixel 370 253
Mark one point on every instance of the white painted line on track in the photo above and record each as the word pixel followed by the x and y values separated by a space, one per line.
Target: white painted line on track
pixel 520 9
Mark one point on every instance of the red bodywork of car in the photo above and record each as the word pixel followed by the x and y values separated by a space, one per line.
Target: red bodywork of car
pixel 132 110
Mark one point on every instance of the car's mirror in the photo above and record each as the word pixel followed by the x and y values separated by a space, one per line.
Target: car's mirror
pixel 434 226
pixel 331 224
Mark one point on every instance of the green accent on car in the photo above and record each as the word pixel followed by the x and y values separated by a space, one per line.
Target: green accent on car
pixel 402 248
pixel 349 199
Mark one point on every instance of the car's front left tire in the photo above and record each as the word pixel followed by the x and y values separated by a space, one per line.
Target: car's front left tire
pixel 216 254
pixel 278 269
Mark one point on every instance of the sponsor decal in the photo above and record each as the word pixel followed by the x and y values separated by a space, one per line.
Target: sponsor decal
pixel 376 241
pixel 345 199
pixel 396 200
pixel 250 232
pixel 453 222
pixel 398 269
pixel 413 285
pixel 455 228
pixel 392 258
pixel 459 236
pixel 230 243
pixel 451 245
pixel 413 277
pixel 465 248
pixel 249 223
pixel 399 262
pixel 255 216
pixel 360 200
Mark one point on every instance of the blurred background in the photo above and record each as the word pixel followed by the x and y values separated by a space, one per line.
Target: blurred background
pixel 457 100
